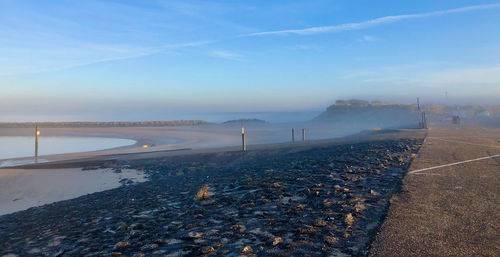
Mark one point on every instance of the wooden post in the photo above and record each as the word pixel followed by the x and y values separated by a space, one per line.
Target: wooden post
pixel 425 121
pixel 37 133
pixel 293 135
pixel 243 139
pixel 303 134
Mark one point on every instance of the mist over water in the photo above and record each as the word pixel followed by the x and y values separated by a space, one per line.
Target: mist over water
pixel 137 115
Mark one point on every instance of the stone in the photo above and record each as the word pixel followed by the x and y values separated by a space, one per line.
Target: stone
pixel 319 223
pixel 331 240
pixel 246 249
pixel 122 245
pixel 349 219
pixel 192 235
pixel 277 240
pixel 308 230
pixel 207 250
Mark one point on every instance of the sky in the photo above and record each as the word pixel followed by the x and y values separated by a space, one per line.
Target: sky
pixel 178 59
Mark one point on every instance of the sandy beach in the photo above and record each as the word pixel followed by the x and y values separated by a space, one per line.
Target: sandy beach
pixel 176 137
pixel 21 189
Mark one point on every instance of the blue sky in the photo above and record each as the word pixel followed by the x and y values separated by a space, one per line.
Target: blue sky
pixel 120 60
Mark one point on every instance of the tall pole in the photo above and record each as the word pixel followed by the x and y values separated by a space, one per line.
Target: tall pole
pixel 293 135
pixel 425 121
pixel 37 133
pixel 243 139
pixel 303 134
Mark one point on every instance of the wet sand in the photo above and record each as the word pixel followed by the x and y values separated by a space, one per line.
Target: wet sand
pixel 21 189
pixel 177 137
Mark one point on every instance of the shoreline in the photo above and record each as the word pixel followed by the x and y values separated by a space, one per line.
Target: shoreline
pixel 158 139
pixel 99 157
pixel 68 167
pixel 268 182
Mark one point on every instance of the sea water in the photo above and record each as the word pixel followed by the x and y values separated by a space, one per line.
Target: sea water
pixel 24 146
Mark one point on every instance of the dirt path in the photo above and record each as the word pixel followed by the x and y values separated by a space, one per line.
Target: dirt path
pixel 447 207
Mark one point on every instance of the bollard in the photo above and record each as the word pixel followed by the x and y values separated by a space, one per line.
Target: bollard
pixel 37 133
pixel 243 140
pixel 293 135
pixel 303 134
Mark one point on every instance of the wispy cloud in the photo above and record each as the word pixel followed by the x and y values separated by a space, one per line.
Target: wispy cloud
pixel 304 47
pixel 374 22
pixel 367 38
pixel 226 55
pixel 81 54
pixel 57 36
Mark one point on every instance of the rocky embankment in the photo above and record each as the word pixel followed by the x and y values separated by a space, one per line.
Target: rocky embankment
pixel 318 202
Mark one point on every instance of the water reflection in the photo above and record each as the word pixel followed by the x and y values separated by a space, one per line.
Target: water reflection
pixel 19 146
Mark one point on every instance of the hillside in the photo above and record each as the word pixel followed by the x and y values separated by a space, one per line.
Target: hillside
pixel 358 113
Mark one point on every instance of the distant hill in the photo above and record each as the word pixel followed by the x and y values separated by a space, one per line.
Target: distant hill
pixel 364 114
pixel 90 124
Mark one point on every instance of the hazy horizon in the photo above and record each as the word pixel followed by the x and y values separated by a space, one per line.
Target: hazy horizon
pixel 165 60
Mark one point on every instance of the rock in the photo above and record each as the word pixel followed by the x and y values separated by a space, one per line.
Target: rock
pixel 137 226
pixel 277 240
pixel 331 240
pixel 246 249
pixel 319 223
pixel 207 250
pixel 149 247
pixel 299 207
pixel 349 219
pixel 121 245
pixel 123 227
pixel 192 235
pixel 308 230
pixel 110 231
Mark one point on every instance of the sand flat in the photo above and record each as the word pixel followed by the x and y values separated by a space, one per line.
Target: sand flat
pixel 21 189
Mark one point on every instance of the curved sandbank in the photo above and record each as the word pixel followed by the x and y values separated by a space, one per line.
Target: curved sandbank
pixel 171 138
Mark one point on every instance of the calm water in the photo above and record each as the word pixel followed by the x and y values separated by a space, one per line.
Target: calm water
pixel 14 147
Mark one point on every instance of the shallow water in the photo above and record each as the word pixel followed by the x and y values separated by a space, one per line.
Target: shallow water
pixel 22 146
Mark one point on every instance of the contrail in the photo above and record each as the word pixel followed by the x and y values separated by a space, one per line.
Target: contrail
pixel 374 22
